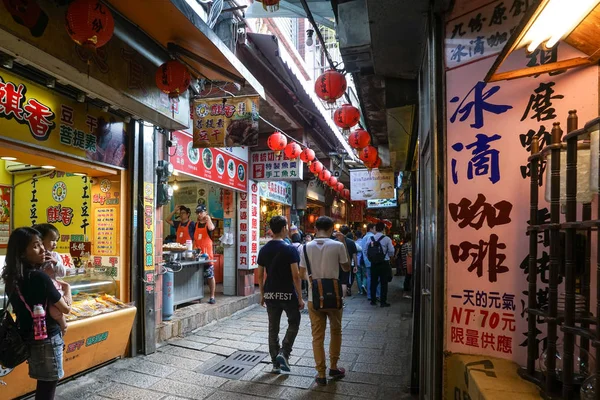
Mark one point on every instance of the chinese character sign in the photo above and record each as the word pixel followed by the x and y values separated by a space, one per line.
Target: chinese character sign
pixel 280 192
pixel 371 185
pixel 36 116
pixel 490 128
pixel 226 122
pixel 248 225
pixel 482 33
pixel 268 166
pixel 148 226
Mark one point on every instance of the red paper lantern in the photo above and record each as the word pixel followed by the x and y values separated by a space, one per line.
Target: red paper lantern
pixel 173 78
pixel 270 5
pixel 346 194
pixel 332 182
pixel 374 165
pixel 89 23
pixel 359 139
pixel 292 150
pixel 339 187
pixel 277 142
pixel 330 86
pixel 307 156
pixel 346 116
pixel 324 175
pixel 316 167
pixel 368 155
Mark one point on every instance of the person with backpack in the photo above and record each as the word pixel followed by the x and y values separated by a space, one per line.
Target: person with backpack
pixel 364 244
pixel 30 289
pixel 380 249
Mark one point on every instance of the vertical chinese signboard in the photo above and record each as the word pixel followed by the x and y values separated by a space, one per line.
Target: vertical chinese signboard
pixel 490 129
pixel 266 165
pixel 149 229
pixel 5 211
pixel 248 222
pixel 226 122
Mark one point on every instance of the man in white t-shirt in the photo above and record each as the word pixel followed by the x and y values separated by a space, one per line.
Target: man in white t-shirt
pixel 325 256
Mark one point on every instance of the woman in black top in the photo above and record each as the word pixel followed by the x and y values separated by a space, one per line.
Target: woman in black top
pixel 22 274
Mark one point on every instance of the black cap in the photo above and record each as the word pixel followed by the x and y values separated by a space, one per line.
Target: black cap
pixel 200 208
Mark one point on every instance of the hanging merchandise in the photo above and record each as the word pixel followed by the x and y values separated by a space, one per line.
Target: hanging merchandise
pixel 324 175
pixel 368 155
pixel 307 156
pixel 277 142
pixel 339 187
pixel 346 117
pixel 332 182
pixel 316 168
pixel 270 5
pixel 359 139
pixel 89 23
pixel 173 78
pixel 330 86
pixel 292 150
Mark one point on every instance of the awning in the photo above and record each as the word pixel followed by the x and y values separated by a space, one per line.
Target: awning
pixel 263 53
pixel 320 9
pixel 175 25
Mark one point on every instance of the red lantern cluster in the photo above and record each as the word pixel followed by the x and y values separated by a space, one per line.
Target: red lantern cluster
pixel 339 187
pixel 270 5
pixel 346 117
pixel 324 176
pixel 307 156
pixel 89 23
pixel 292 150
pixel 359 139
pixel 277 142
pixel 346 194
pixel 368 155
pixel 316 168
pixel 332 182
pixel 330 86
pixel 374 165
pixel 173 78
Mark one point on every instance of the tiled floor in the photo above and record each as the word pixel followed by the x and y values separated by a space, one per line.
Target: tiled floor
pixel 375 352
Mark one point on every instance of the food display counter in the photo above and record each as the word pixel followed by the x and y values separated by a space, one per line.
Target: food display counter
pixel 188 277
pixel 98 330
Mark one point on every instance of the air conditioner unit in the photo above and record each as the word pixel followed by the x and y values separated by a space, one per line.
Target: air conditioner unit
pixel 17 168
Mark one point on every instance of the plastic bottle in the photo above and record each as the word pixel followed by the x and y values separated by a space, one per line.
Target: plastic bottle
pixel 39 322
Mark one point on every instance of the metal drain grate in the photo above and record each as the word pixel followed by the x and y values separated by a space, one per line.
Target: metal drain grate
pixel 236 365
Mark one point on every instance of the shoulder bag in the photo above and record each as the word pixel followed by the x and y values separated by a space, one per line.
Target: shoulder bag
pixel 326 293
pixel 13 349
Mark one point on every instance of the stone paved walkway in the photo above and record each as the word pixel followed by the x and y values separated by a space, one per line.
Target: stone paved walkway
pixel 375 352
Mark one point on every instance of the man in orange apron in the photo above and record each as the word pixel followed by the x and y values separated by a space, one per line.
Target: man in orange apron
pixel 203 242
pixel 185 227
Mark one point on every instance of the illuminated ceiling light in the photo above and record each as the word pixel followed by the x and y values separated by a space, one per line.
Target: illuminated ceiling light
pixel 8 158
pixel 8 62
pixel 263 209
pixel 175 185
pixel 79 174
pixel 48 167
pixel 81 97
pixel 556 20
pixel 51 83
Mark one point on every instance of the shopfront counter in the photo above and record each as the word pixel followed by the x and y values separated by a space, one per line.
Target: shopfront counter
pixel 188 280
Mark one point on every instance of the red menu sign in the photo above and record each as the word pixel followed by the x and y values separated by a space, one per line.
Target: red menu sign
pixel 210 164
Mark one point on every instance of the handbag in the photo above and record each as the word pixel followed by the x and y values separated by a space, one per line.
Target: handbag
pixel 13 349
pixel 326 293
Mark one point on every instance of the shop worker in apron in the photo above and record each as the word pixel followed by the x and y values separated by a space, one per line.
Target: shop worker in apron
pixel 203 242
pixel 185 227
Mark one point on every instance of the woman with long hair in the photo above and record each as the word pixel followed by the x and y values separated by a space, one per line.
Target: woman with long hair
pixel 27 286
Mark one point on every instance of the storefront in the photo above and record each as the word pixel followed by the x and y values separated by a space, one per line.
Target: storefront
pixel 315 206
pixel 275 199
pixel 65 163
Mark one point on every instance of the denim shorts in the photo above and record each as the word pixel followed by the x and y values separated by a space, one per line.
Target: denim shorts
pixel 209 272
pixel 46 358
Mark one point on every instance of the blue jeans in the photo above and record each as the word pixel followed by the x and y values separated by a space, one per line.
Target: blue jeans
pixel 361 277
pixel 369 285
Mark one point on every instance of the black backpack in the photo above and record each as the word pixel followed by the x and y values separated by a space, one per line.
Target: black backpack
pixel 375 252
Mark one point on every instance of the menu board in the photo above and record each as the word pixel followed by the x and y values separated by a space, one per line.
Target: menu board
pixel 5 210
pixel 105 231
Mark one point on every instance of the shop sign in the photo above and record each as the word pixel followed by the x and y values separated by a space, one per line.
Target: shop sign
pixel 382 203
pixel 373 184
pixel 213 165
pixel 80 249
pixel 149 230
pixel 248 221
pixel 490 129
pixel 5 210
pixel 357 212
pixel 316 190
pixel 280 192
pixel 36 116
pixel 266 165
pixel 115 64
pixel 482 33
pixel 225 122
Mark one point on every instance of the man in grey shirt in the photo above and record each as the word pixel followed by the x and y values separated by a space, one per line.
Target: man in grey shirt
pixel 381 271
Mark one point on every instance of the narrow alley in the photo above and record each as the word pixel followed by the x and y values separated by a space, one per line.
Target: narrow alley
pixel 375 352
